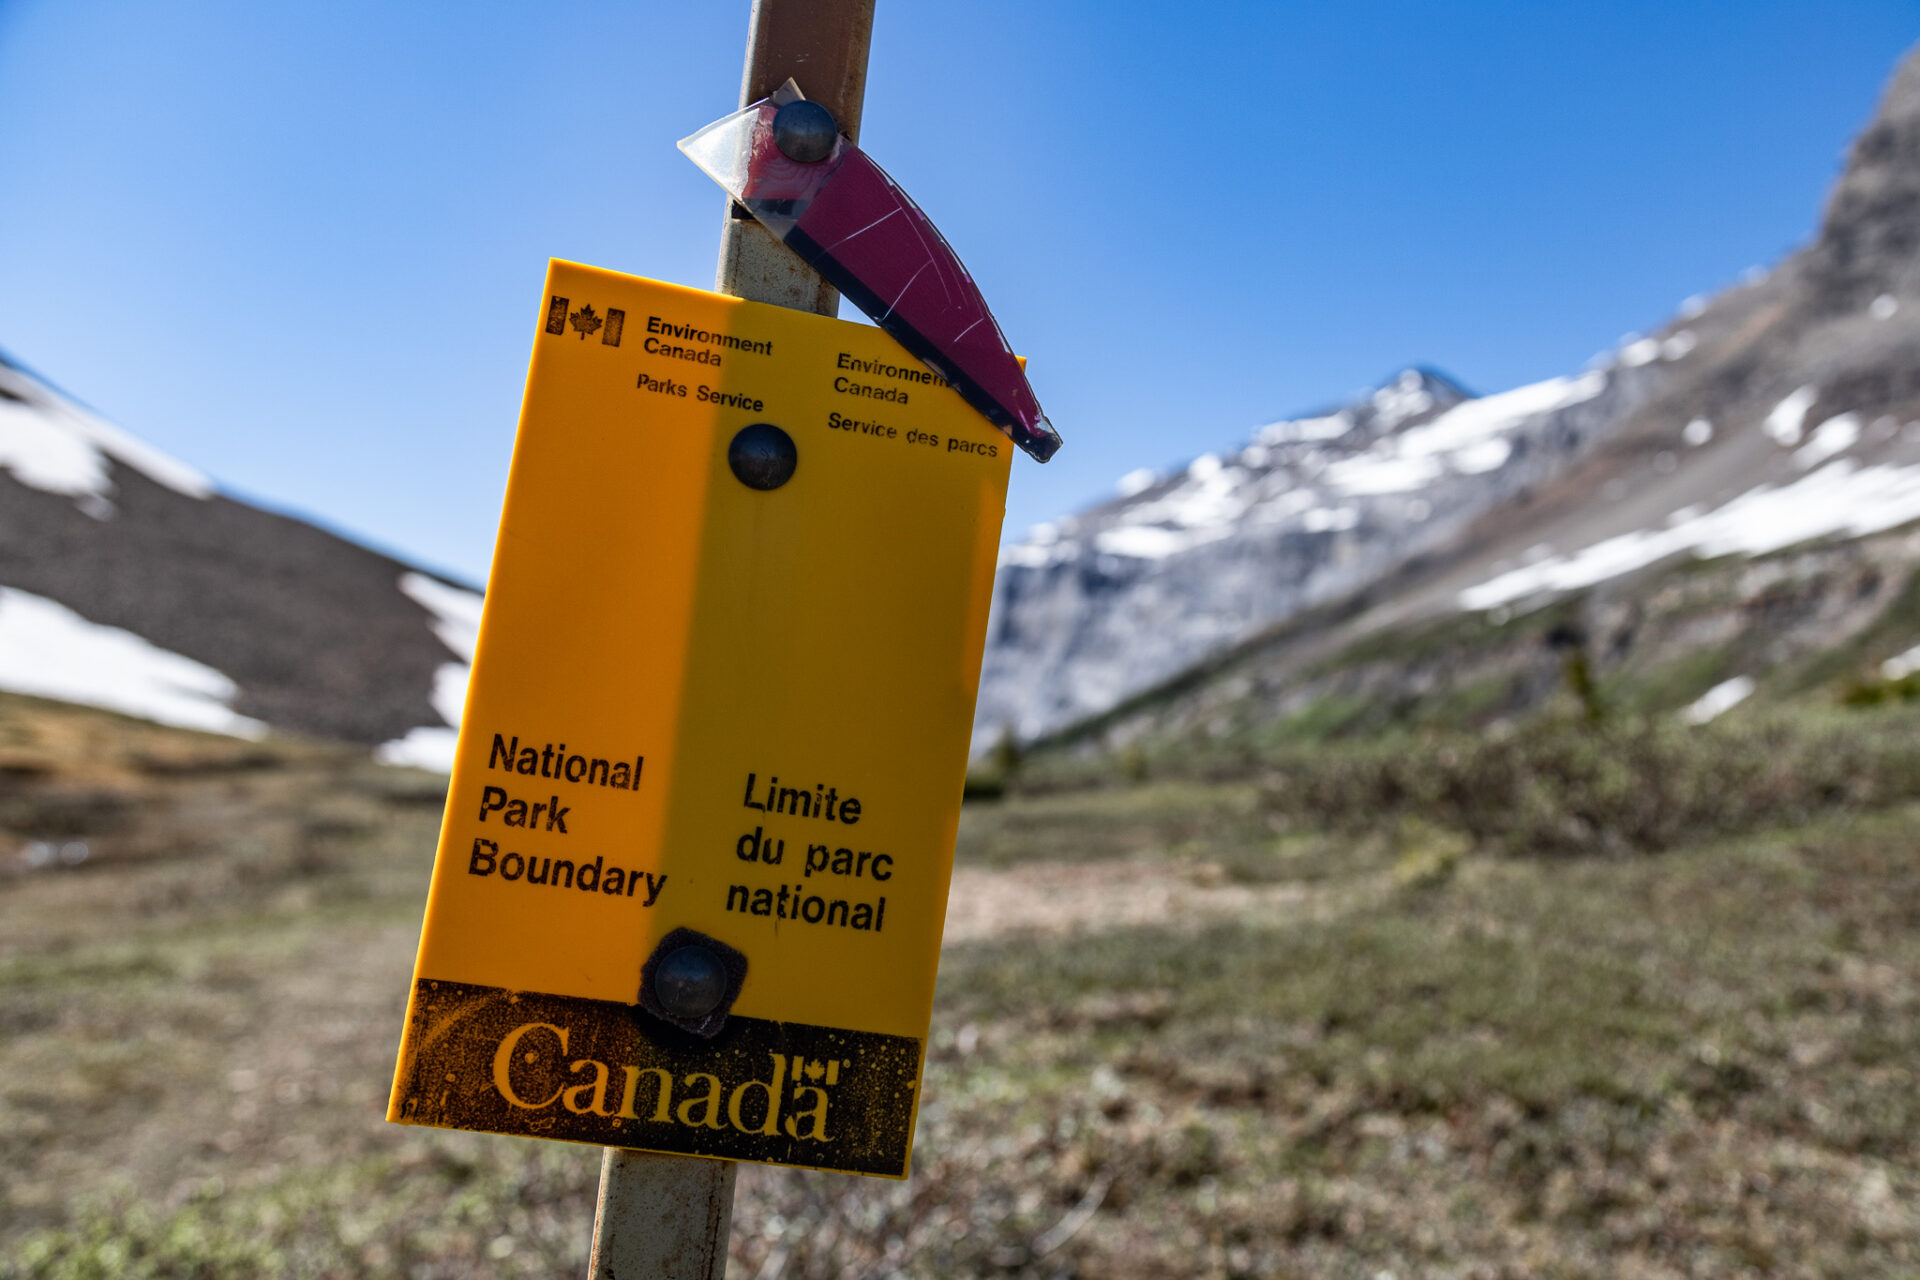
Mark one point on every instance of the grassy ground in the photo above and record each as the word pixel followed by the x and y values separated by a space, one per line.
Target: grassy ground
pixel 1440 1060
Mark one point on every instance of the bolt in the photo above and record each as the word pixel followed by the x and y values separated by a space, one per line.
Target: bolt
pixel 690 982
pixel 762 456
pixel 804 131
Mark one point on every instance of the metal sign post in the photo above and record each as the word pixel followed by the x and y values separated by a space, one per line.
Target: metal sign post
pixel 668 1216
pixel 823 45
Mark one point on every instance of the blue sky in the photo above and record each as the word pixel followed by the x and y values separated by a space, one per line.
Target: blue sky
pixel 300 245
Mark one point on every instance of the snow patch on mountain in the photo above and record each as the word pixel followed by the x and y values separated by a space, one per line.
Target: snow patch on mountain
pixel 1901 665
pixel 1718 700
pixel 456 614
pixel 1468 439
pixel 49 443
pixel 1405 397
pixel 1475 421
pixel 456 621
pixel 1640 351
pixel 1840 498
pixel 1786 419
pixel 432 746
pixel 49 651
pixel 1836 435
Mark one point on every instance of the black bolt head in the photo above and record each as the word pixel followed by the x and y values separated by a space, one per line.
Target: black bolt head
pixel 690 982
pixel 762 456
pixel 804 131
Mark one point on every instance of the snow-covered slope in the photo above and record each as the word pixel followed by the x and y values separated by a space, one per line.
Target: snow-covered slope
pixel 52 444
pixel 127 581
pixel 48 650
pixel 1102 605
pixel 1841 497
pixel 1799 417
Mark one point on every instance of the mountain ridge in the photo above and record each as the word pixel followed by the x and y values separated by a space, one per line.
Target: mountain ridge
pixel 1783 411
pixel 1782 417
pixel 313 632
pixel 1128 592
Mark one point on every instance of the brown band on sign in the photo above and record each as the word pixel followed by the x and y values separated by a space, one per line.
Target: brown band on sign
pixel 551 1066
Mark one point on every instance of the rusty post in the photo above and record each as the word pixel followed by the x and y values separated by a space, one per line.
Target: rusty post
pixel 822 45
pixel 667 1217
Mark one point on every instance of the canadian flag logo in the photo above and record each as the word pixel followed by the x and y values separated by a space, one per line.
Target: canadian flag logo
pixel 584 321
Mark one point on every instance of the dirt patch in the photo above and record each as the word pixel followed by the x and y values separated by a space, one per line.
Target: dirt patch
pixel 1068 898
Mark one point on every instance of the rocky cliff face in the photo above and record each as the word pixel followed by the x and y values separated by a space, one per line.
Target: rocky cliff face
pixel 1869 242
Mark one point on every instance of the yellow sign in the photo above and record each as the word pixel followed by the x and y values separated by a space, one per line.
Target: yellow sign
pixel 723 690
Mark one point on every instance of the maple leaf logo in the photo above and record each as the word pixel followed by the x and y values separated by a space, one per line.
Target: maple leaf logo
pixel 584 320
pixel 815 1071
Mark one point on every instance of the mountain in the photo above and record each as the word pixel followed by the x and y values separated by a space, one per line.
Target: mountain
pixel 1420 546
pixel 1746 517
pixel 1106 603
pixel 128 581
pixel 1781 414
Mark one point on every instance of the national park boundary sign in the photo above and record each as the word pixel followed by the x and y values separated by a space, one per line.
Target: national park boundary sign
pixel 720 706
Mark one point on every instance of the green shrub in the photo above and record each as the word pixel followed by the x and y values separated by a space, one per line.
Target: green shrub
pixel 1557 786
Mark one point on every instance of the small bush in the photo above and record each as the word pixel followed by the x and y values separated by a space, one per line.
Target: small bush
pixel 1558 786
pixel 1875 691
pixel 983 786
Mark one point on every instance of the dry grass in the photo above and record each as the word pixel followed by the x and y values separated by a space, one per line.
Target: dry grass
pixel 1394 1053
